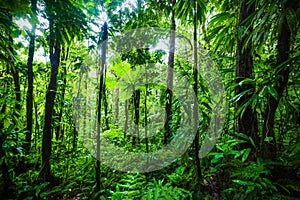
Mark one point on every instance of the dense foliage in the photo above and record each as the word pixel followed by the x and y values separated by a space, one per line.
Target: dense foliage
pixel 74 74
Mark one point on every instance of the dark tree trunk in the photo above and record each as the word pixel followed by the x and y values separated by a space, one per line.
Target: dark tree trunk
pixel 29 98
pixel 283 47
pixel 169 93
pixel 146 114
pixel 100 94
pixel 136 97
pixel 75 135
pixel 37 127
pixel 126 117
pixel 105 103
pixel 247 122
pixel 136 102
pixel 196 106
pixel 45 172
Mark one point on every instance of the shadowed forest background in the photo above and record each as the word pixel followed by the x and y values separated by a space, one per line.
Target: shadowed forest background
pixel 48 48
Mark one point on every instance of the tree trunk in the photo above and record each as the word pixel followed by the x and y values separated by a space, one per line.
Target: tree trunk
pixel 117 106
pixel 103 63
pixel 29 98
pixel 283 47
pixel 85 106
pixel 196 106
pixel 105 103
pixel 37 127
pixel 136 102
pixel 45 172
pixel 247 122
pixel 146 115
pixel 169 93
pixel 75 135
pixel 126 117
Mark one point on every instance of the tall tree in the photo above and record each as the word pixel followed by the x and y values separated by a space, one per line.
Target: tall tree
pixel 196 10
pixel 145 110
pixel 54 46
pixel 169 93
pixel 136 104
pixel 29 98
pixel 282 73
pixel 105 102
pixel 196 104
pixel 247 120
pixel 66 22
pixel 100 96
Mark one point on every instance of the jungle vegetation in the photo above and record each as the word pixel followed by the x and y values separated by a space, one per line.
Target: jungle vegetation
pixel 75 73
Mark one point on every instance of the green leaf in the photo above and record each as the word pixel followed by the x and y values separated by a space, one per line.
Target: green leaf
pixel 244 183
pixel 273 92
pixel 247 81
pixel 237 97
pixel 268 139
pixel 246 154
pixel 254 102
pixel 252 142
pixel 250 189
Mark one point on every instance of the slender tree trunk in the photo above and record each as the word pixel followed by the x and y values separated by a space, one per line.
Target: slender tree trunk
pixel 283 47
pixel 196 106
pixel 146 114
pixel 117 106
pixel 103 63
pixel 136 102
pixel 37 127
pixel 29 98
pixel 126 117
pixel 63 91
pixel 45 172
pixel 247 122
pixel 85 105
pixel 105 103
pixel 169 93
pixel 137 94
